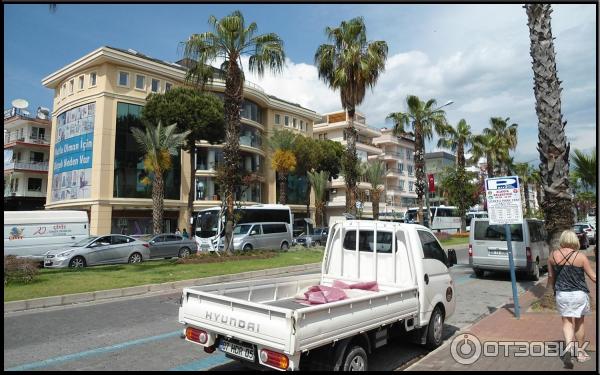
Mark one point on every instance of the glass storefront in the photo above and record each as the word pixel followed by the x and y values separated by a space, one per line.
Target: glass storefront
pixel 250 136
pixel 296 189
pixel 131 180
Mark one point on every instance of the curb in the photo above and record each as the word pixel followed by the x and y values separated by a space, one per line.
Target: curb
pixel 465 329
pixel 70 299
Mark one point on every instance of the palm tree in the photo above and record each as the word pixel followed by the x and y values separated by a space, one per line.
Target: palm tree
pixel 505 139
pixel 319 182
pixel 158 144
pixel 485 146
pixel 283 160
pixel 375 175
pixel 350 64
pixel 229 41
pixel 552 146
pixel 585 168
pixel 456 139
pixel 424 118
pixel 537 182
pixel 524 171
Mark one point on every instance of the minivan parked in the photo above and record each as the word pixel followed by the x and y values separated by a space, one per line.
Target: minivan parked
pixel 488 249
pixel 250 236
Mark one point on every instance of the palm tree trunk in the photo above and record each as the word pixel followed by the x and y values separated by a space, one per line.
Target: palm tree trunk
pixel 553 147
pixel 375 203
pixel 158 194
pixel 234 85
pixel 351 160
pixel 526 192
pixel 191 194
pixel 419 171
pixel 282 177
pixel 489 166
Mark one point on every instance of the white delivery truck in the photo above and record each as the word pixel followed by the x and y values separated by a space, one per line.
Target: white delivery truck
pixel 264 323
pixel 30 234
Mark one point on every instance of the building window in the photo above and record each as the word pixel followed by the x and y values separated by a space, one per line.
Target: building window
pixel 92 79
pixel 401 185
pixel 410 186
pixel 410 170
pixel 168 86
pixel 251 111
pixel 14 185
pixel 301 125
pixel 140 82
pixel 71 86
pixel 408 154
pixel 36 157
pixel 64 90
pixel 123 79
pixel 34 184
pixel 286 121
pixel 401 168
pixel 80 82
pixel 277 119
pixel 294 123
pixel 155 85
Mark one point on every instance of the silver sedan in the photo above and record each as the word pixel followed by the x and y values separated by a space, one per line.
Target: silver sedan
pixel 111 249
pixel 168 245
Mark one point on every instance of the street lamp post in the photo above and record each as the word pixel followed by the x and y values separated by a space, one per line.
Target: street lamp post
pixel 426 222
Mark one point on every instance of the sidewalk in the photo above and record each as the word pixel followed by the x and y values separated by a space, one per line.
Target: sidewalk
pixel 502 325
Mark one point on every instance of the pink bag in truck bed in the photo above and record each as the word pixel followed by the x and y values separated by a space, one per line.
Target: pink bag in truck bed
pixel 320 294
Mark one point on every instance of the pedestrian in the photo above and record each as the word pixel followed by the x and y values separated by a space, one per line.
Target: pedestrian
pixel 185 233
pixel 567 268
pixel 177 231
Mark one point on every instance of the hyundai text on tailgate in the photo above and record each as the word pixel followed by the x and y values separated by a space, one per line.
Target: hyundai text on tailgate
pixel 378 280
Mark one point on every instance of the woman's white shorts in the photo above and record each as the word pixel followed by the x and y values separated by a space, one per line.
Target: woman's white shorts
pixel 572 304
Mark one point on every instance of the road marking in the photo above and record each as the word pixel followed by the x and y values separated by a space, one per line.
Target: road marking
pixel 88 353
pixel 204 364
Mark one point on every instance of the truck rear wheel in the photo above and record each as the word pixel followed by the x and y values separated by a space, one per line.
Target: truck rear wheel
pixel 435 329
pixel 355 360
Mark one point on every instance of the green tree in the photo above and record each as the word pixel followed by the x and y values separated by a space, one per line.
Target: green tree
pixel 424 118
pixel 283 159
pixel 375 175
pixel 461 191
pixel 524 171
pixel 158 144
pixel 228 41
pixel 350 64
pixel 585 168
pixel 319 182
pixel 505 139
pixel 485 146
pixel 456 139
pixel 552 146
pixel 200 113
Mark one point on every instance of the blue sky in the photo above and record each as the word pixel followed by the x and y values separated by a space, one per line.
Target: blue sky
pixel 476 55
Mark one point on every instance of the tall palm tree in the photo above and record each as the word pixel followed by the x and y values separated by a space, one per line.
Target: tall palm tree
pixel 552 146
pixel 456 139
pixel 159 144
pixel 375 175
pixel 485 146
pixel 585 168
pixel 283 159
pixel 505 139
pixel 536 179
pixel 229 40
pixel 424 118
pixel 350 64
pixel 524 171
pixel 319 182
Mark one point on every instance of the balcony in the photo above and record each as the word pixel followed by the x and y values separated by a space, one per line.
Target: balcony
pixel 15 137
pixel 394 172
pixel 31 166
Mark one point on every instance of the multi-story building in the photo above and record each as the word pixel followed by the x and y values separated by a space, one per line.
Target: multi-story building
pixel 398 155
pixel 332 127
pixel 96 164
pixel 436 163
pixel 26 155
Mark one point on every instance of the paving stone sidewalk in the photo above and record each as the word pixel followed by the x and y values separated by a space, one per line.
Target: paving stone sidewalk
pixel 502 325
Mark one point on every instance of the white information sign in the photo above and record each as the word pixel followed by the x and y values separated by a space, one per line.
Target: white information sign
pixel 504 200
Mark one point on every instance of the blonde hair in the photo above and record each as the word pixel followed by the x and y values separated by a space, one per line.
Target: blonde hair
pixel 569 239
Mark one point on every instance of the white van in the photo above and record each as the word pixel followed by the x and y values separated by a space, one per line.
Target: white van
pixel 488 250
pixel 30 234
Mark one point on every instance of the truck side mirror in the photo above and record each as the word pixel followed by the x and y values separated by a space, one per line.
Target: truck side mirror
pixel 451 258
pixel 253 233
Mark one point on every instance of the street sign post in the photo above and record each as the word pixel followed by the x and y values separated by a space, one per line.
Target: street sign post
pixel 504 208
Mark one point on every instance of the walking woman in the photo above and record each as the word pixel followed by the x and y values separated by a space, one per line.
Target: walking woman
pixel 567 268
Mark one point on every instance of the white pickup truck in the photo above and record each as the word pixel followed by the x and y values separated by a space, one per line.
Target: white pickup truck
pixel 262 323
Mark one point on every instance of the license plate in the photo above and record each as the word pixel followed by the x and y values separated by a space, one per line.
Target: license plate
pixel 498 252
pixel 242 351
pixel 48 263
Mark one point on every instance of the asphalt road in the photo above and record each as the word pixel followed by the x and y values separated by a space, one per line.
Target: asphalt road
pixel 142 333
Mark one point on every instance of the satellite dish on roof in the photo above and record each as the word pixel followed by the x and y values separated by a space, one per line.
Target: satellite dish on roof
pixel 20 103
pixel 42 113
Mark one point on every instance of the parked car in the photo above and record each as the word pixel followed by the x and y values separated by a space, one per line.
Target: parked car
pixel 168 245
pixel 488 249
pixel 250 236
pixel 317 238
pixel 589 230
pixel 584 241
pixel 263 323
pixel 94 250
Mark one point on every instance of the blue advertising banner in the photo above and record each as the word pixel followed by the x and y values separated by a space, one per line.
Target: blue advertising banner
pixel 72 162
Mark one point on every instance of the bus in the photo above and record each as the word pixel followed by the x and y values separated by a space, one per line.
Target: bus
pixel 474 214
pixel 210 222
pixel 444 218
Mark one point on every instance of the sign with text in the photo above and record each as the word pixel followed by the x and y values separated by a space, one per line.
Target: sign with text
pixel 504 200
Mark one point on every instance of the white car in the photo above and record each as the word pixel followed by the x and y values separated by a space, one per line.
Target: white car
pixel 590 231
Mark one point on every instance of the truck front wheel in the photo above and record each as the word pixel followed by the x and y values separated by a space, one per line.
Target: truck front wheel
pixel 435 329
pixel 356 359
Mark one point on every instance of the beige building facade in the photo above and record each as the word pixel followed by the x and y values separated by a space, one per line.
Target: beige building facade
pixel 95 164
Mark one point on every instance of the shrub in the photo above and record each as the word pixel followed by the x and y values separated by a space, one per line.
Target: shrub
pixel 19 270
pixel 212 257
pixel 460 235
pixel 442 236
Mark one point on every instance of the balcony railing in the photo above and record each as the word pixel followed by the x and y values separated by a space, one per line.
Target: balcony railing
pixel 31 166
pixel 14 137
